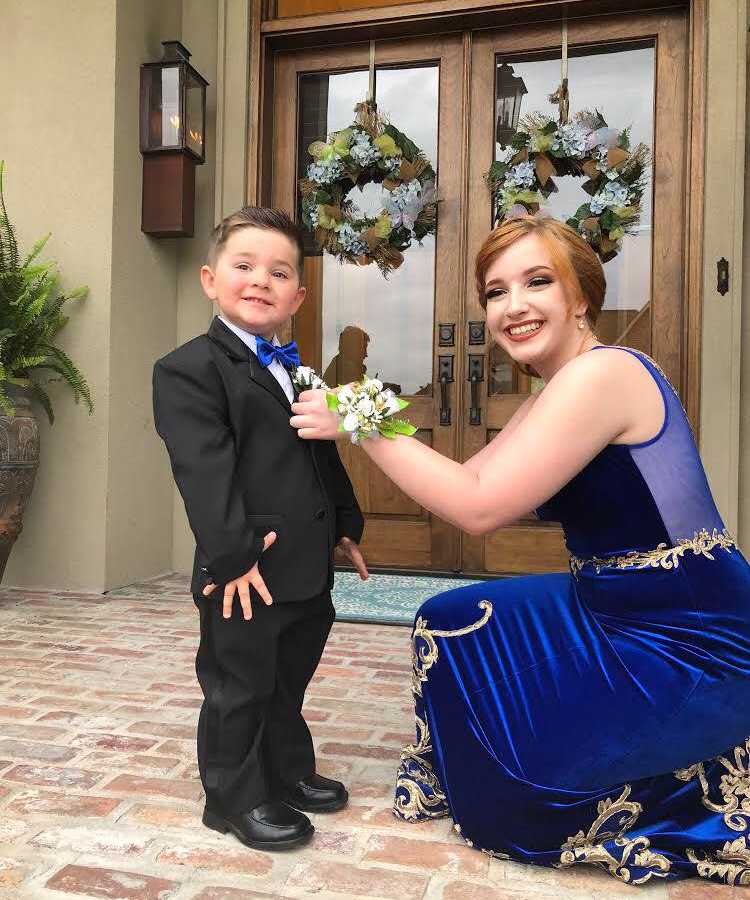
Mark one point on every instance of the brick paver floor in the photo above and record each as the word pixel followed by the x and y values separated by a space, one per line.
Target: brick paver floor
pixel 100 797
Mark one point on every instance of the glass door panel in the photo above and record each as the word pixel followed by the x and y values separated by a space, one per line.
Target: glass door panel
pixel 621 81
pixel 384 328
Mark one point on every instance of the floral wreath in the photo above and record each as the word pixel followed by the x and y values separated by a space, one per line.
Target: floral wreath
pixel 369 150
pixel 542 148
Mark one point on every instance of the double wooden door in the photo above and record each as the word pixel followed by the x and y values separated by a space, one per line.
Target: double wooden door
pixel 422 330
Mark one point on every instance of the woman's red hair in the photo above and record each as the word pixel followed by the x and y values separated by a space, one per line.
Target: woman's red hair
pixel 576 264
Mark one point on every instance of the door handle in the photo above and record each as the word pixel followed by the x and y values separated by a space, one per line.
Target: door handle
pixel 445 374
pixel 476 375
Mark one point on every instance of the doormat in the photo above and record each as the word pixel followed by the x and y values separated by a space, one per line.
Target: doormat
pixel 387 599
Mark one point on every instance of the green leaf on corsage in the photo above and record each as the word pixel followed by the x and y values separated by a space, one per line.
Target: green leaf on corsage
pixel 332 401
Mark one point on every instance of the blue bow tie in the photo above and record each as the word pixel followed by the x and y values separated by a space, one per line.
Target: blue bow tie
pixel 286 354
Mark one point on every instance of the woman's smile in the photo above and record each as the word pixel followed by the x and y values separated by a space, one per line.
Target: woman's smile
pixel 524 331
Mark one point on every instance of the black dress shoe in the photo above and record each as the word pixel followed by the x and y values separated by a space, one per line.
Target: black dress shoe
pixel 270 826
pixel 317 794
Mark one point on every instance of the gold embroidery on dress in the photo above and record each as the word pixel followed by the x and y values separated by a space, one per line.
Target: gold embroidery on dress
pixel 730 865
pixel 415 775
pixel 418 790
pixel 663 557
pixel 734 787
pixel 424 658
pixel 495 854
pixel 614 819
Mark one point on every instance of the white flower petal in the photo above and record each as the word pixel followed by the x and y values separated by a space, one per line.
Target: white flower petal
pixel 351 422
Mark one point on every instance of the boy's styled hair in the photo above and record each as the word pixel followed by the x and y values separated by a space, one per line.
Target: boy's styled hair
pixel 256 217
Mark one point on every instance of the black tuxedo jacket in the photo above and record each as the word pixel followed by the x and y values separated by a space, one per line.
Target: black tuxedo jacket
pixel 243 471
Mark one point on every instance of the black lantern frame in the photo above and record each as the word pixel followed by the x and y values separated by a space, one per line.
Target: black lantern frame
pixel 176 56
pixel 168 203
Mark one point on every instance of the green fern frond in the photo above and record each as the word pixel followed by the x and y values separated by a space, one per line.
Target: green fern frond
pixel 31 315
pixel 36 250
pixel 80 293
pixel 5 402
pixel 8 243
pixel 72 375
pixel 42 398
pixel 24 363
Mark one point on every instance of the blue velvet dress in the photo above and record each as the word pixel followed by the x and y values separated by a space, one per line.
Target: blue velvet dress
pixel 600 716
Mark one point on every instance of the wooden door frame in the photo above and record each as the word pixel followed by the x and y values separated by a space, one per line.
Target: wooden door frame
pixel 665 29
pixel 270 35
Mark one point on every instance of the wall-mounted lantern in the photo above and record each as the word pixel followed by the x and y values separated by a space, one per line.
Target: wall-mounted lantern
pixel 509 92
pixel 173 129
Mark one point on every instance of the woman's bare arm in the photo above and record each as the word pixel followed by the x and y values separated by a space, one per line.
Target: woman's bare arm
pixel 589 403
pixel 490 450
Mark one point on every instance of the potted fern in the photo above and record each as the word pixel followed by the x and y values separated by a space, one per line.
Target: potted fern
pixel 31 315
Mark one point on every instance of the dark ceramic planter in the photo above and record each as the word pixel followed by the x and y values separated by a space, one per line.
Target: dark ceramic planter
pixel 19 460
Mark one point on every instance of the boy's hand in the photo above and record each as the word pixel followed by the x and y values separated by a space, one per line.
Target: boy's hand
pixel 242 586
pixel 351 550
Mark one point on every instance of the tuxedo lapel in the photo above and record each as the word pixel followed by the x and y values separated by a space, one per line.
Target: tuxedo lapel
pixel 265 379
pixel 236 349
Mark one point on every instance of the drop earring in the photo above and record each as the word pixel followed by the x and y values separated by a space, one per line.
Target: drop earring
pixel 581 324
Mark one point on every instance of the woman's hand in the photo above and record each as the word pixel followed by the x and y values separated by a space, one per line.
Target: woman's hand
pixel 312 418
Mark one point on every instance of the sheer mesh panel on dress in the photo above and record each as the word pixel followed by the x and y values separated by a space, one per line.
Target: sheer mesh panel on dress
pixel 672 469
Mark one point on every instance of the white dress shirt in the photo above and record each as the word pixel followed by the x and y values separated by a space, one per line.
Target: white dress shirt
pixel 275 368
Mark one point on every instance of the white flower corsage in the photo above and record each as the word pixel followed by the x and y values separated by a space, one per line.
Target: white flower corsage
pixel 305 378
pixel 366 408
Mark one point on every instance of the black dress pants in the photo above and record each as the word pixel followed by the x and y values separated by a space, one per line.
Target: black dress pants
pixel 252 739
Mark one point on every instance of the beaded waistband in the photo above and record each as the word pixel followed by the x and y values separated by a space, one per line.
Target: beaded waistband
pixel 663 557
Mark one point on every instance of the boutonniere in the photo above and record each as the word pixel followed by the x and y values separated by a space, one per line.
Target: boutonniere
pixel 305 378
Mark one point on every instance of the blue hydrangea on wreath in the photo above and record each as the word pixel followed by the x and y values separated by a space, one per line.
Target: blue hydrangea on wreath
pixel 370 150
pixel 587 147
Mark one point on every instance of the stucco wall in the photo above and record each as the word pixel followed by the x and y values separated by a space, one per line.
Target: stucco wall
pixel 102 513
pixel 721 356
pixel 163 308
pixel 58 144
pixel 143 319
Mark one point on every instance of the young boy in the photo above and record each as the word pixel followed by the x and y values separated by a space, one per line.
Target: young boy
pixel 266 509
